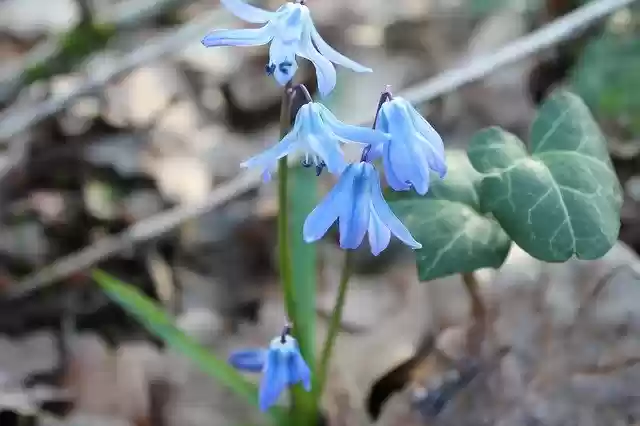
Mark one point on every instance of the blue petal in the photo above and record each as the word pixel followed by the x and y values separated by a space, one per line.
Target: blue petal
pixel 266 160
pixel 334 56
pixel 299 371
pixel 435 160
pixel 243 37
pixel 251 360
pixel 326 213
pixel 274 380
pixel 405 155
pixel 291 22
pixel 322 140
pixel 387 216
pixel 350 133
pixel 379 234
pixel 433 144
pixel 376 151
pixel 247 12
pixel 382 123
pixel 354 218
pixel 328 148
pixel 325 71
pixel 392 179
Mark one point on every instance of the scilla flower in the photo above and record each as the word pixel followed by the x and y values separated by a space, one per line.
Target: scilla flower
pixel 282 365
pixel 291 33
pixel 357 204
pixel 414 148
pixel 317 134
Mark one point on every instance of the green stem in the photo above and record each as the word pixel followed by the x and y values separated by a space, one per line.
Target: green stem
pixel 284 242
pixel 334 326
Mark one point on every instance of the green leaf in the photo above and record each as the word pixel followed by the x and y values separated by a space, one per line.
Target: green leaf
pixel 302 187
pixel 157 321
pixel 607 78
pixel 303 190
pixel 456 236
pixel 562 200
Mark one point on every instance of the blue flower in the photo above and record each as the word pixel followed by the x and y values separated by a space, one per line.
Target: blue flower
pixel 291 32
pixel 357 203
pixel 413 150
pixel 282 365
pixel 317 134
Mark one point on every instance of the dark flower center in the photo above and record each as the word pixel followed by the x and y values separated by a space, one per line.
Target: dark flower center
pixel 270 69
pixel 284 67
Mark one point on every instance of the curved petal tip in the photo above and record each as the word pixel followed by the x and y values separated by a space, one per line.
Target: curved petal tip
pixel 251 360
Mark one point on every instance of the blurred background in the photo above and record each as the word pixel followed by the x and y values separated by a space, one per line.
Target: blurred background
pixel 111 112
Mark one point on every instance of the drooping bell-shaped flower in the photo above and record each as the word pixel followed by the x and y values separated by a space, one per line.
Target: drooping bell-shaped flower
pixel 282 366
pixel 317 134
pixel 356 202
pixel 414 148
pixel 291 32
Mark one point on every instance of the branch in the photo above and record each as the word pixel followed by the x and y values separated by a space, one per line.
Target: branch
pixel 121 17
pixel 144 230
pixel 475 69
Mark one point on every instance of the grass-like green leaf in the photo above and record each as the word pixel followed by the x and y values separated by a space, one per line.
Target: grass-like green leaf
pixel 303 190
pixel 564 198
pixel 456 236
pixel 160 323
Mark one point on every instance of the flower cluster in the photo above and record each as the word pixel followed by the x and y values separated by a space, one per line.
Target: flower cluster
pixel 410 150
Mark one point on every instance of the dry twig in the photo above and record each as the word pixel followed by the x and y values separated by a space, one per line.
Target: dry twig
pixel 123 16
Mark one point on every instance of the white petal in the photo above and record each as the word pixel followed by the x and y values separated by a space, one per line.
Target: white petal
pixel 334 56
pixel 241 37
pixel 325 71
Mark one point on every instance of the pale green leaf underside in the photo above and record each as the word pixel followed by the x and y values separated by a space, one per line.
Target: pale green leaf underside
pixel 455 236
pixel 562 200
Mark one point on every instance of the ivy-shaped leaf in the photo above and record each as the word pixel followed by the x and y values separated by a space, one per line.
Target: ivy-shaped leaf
pixel 456 236
pixel 562 200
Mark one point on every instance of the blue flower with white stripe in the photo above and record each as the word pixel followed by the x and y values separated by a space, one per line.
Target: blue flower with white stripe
pixel 291 32
pixel 356 202
pixel 316 134
pixel 282 366
pixel 414 148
